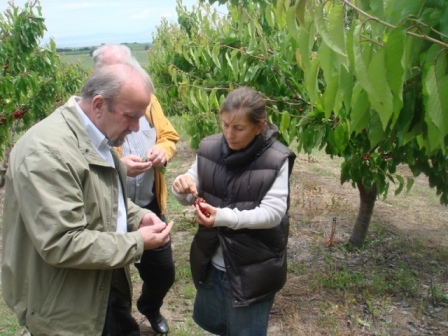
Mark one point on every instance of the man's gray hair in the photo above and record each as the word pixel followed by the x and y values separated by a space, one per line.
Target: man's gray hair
pixel 106 82
pixel 108 54
pixel 98 53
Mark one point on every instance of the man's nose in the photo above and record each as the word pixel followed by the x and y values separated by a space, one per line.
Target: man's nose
pixel 134 126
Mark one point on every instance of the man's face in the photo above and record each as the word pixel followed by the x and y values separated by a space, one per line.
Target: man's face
pixel 121 117
pixel 122 122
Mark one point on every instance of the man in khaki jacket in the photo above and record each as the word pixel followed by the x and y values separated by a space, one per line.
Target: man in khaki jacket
pixel 69 231
pixel 145 154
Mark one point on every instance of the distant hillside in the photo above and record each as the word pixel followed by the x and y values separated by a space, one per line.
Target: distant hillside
pixel 83 55
pixel 99 38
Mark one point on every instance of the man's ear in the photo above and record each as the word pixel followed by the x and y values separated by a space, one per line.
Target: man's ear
pixel 98 104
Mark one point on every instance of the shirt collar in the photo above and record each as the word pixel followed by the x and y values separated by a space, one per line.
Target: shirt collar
pixel 97 138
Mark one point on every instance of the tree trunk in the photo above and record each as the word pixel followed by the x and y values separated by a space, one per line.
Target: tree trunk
pixel 367 203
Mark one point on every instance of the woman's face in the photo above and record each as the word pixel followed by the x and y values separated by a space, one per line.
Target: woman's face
pixel 238 130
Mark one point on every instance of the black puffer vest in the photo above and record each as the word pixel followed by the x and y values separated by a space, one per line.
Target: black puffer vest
pixel 255 259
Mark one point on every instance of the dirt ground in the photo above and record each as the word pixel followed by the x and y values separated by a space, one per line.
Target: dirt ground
pixel 317 198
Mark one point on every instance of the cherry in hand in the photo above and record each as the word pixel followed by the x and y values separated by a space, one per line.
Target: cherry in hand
pixel 198 202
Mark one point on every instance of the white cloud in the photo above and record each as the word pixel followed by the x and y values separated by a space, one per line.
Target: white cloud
pixel 69 20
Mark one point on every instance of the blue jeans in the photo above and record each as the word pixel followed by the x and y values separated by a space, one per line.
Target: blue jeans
pixel 214 312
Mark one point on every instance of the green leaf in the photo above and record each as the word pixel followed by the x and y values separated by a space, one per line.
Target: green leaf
pixel 291 23
pixel 329 65
pixel 193 99
pixel 338 138
pixel 280 9
pixel 235 63
pixel 336 31
pixel 346 83
pixel 409 184
pixel 360 67
pixel 436 102
pixel 400 10
pixel 359 112
pixel 229 63
pixel 394 59
pixel 334 35
pixel 215 56
pixel 310 80
pixel 172 70
pixel 204 100
pixel 251 73
pixel 300 11
pixel 194 56
pixel 401 185
pixel 292 130
pixel 269 15
pixel 329 96
pixel 213 101
pixel 375 131
pixel 284 124
pixel 381 98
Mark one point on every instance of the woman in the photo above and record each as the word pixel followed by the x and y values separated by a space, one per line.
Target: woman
pixel 238 255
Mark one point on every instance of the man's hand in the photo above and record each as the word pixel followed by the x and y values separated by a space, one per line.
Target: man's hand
pixel 157 156
pixel 184 184
pixel 135 166
pixel 156 235
pixel 150 219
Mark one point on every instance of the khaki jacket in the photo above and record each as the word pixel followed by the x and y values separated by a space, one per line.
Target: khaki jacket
pixel 60 245
pixel 167 138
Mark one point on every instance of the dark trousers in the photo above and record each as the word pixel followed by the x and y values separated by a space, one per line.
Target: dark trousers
pixel 156 269
pixel 119 320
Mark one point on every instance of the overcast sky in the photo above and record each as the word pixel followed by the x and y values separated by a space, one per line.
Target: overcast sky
pixel 81 23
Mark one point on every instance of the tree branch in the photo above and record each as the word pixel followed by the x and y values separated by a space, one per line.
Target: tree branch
pixel 387 24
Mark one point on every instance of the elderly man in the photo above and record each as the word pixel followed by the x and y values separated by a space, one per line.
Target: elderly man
pixel 69 231
pixel 156 141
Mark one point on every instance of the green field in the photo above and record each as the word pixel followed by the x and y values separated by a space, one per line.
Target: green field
pixel 83 56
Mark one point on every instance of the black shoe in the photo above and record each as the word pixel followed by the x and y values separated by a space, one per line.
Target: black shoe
pixel 159 324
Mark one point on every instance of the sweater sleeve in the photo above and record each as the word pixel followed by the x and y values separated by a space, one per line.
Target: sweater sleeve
pixel 187 199
pixel 167 136
pixel 270 212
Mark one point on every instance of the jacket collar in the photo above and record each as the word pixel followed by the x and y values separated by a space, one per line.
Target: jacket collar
pixel 70 114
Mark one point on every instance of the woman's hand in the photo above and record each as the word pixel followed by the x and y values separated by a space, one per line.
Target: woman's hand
pixel 205 214
pixel 184 184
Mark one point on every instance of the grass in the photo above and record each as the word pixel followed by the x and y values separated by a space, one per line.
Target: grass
pixel 8 322
pixel 362 288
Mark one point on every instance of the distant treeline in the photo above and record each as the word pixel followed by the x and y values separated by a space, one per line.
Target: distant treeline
pixel 74 51
pixel 89 50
